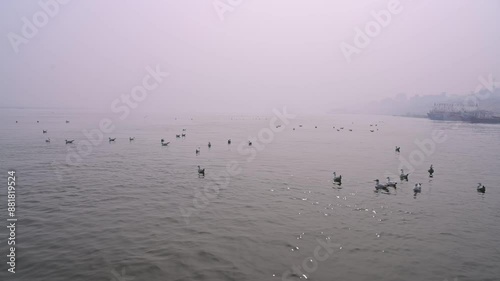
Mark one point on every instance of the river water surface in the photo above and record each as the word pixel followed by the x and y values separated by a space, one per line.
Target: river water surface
pixel 139 211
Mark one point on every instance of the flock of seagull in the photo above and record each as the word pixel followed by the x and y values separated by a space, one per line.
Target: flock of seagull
pixel 336 179
pixel 403 177
pixel 201 172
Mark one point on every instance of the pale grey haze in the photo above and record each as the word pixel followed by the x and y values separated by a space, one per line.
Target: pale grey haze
pixel 242 56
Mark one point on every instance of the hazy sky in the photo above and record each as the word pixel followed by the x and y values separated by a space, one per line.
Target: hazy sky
pixel 263 54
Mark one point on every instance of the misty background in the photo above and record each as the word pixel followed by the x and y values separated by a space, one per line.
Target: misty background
pixel 263 54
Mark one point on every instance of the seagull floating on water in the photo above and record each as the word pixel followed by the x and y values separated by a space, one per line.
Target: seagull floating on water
pixel 249 143
pixel 47 140
pixel 201 172
pixel 183 135
pixel 417 188
pixel 391 183
pixel 69 141
pixel 111 140
pixel 403 176
pixel 431 171
pixel 198 151
pixel 165 143
pixel 131 139
pixel 44 131
pixel 209 145
pixel 177 136
pixel 481 188
pixel 379 186
pixel 229 141
pixel 337 179
pixel 398 149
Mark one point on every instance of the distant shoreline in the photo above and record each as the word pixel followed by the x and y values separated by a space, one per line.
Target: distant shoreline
pixel 411 116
